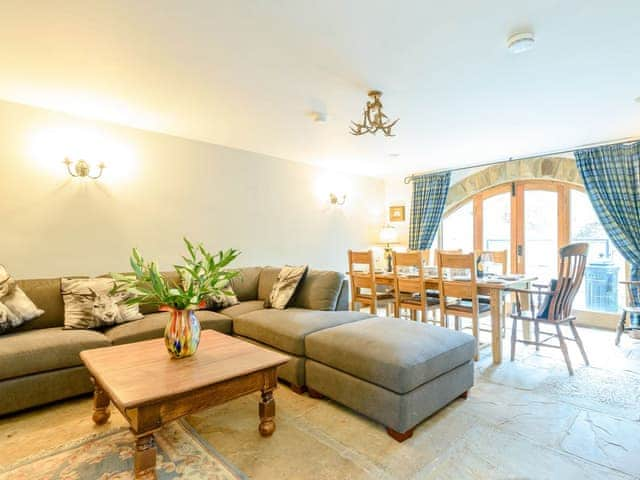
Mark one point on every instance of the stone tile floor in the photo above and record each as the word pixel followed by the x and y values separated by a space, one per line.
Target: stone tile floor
pixel 523 420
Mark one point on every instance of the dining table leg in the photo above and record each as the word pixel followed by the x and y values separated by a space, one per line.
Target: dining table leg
pixel 496 335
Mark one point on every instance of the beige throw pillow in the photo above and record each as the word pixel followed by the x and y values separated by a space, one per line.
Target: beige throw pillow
pixel 285 287
pixel 16 307
pixel 89 304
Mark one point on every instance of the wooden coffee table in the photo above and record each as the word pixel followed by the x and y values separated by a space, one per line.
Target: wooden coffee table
pixel 151 389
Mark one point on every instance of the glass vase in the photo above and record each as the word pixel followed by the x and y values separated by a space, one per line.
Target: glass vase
pixel 182 333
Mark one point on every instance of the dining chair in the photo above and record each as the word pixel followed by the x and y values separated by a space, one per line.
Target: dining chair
pixel 631 309
pixel 362 279
pixel 553 306
pixel 410 292
pixel 459 295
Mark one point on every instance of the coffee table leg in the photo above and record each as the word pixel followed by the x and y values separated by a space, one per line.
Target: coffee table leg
pixel 101 412
pixel 145 457
pixel 267 410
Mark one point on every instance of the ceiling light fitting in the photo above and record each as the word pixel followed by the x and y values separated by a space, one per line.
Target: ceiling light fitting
pixel 373 119
pixel 521 42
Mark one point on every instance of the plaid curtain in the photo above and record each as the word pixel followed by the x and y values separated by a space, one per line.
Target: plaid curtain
pixel 611 175
pixel 427 205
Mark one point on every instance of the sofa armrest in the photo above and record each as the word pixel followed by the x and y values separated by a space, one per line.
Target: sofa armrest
pixel 343 296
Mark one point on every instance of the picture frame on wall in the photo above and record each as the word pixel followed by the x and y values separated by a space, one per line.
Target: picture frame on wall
pixel 397 213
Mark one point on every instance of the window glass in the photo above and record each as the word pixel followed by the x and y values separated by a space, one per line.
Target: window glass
pixel 496 220
pixel 600 290
pixel 457 229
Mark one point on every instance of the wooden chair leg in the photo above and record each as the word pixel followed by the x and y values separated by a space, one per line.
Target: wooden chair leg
pixel 373 308
pixel 514 328
pixel 620 327
pixel 574 330
pixel 565 350
pixel 414 314
pixel 536 329
pixel 475 327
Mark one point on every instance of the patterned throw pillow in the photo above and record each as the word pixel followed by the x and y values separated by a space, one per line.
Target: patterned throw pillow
pixel 227 298
pixel 15 307
pixel 285 287
pixel 89 304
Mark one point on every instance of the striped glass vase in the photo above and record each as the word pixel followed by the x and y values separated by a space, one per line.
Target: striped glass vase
pixel 182 333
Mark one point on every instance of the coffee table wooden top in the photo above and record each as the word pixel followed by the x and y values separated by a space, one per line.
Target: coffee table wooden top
pixel 143 372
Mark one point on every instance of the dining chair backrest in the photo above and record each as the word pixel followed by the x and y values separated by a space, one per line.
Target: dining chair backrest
pixel 359 277
pixel 404 260
pixel 495 256
pixel 573 260
pixel 450 286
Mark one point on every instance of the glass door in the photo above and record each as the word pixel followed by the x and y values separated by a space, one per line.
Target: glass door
pixel 540 234
pixel 496 224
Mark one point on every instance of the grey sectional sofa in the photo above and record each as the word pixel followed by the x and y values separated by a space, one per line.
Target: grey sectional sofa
pixel 395 371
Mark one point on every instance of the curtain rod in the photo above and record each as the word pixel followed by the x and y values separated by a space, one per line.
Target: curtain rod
pixel 409 179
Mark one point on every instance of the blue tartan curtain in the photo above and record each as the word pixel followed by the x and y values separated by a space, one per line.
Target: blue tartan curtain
pixel 611 175
pixel 427 205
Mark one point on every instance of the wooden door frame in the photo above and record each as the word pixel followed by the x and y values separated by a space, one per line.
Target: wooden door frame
pixel 517 189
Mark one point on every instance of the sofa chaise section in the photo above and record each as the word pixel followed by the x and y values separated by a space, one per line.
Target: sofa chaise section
pixel 285 331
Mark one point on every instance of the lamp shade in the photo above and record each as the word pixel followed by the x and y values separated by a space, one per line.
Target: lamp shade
pixel 388 234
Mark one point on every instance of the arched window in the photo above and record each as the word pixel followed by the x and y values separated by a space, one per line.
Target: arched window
pixel 531 219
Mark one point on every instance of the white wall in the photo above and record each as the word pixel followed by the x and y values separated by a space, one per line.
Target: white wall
pixel 157 188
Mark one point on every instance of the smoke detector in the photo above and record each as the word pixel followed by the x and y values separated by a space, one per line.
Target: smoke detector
pixel 521 42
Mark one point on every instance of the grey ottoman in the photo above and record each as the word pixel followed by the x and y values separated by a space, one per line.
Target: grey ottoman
pixel 396 371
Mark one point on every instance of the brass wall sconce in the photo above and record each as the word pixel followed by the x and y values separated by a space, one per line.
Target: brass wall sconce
pixel 335 200
pixel 82 169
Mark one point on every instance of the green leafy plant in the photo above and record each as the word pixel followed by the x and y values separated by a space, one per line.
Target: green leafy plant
pixel 203 275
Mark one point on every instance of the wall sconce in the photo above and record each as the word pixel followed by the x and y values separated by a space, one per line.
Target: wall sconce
pixel 335 200
pixel 82 169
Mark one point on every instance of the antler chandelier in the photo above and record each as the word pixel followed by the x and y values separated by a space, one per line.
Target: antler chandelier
pixel 372 118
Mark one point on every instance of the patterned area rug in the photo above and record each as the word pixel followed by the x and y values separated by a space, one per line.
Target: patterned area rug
pixel 182 454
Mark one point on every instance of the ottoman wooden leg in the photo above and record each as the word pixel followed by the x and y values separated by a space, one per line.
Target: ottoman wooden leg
pixel 101 412
pixel 144 462
pixel 267 411
pixel 400 437
pixel 465 394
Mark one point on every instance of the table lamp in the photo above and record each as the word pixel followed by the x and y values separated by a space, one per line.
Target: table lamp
pixel 388 237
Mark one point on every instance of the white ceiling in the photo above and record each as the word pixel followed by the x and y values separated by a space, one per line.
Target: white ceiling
pixel 246 73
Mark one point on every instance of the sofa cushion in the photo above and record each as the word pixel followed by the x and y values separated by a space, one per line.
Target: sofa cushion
pixel 45 349
pixel 16 308
pixel 399 355
pixel 153 325
pixel 242 308
pixel 285 287
pixel 245 285
pixel 268 277
pixel 286 329
pixel 319 290
pixel 45 293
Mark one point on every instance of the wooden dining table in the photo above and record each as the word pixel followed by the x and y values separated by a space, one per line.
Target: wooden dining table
pixel 496 290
